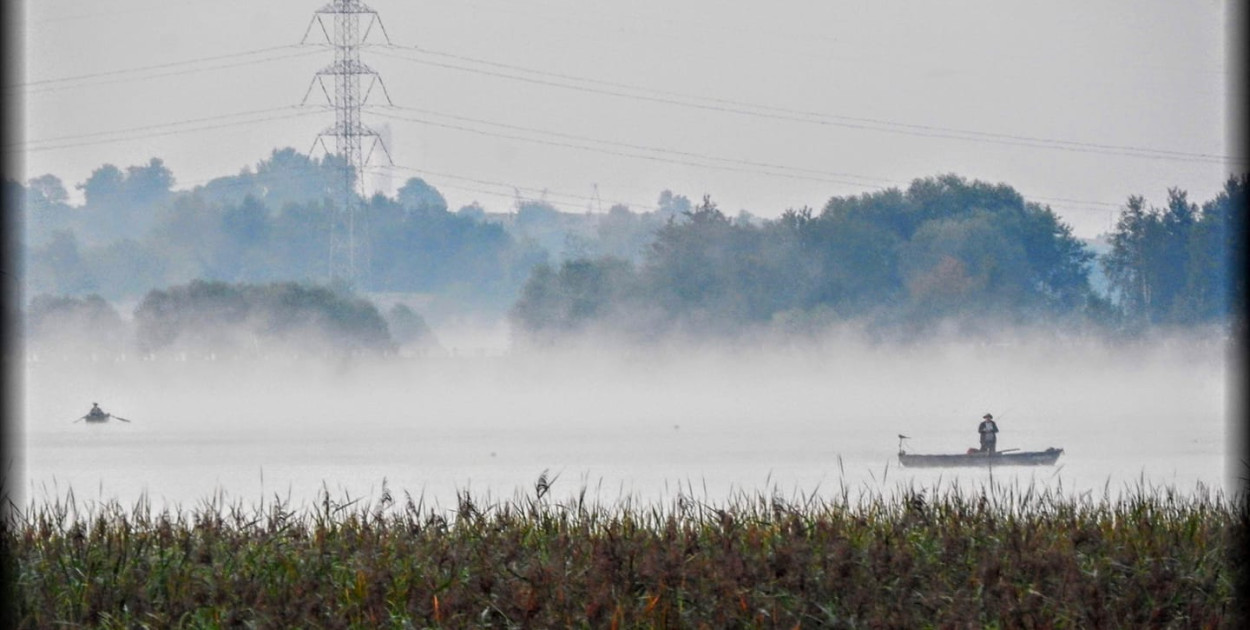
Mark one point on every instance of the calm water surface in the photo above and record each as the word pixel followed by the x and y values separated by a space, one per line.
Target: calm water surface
pixel 645 427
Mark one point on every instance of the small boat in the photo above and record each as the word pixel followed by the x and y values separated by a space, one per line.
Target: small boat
pixel 1047 457
pixel 97 415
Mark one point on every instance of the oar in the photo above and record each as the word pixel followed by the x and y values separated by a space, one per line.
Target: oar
pixel 1007 450
pixel 119 418
pixel 80 419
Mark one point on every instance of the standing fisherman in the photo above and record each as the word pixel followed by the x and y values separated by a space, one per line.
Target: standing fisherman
pixel 989 433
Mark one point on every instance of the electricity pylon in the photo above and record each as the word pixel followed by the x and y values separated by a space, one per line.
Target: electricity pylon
pixel 349 133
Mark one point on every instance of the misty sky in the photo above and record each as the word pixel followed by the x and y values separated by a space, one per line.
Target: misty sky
pixel 764 106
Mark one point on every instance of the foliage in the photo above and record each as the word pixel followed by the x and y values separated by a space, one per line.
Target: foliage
pixel 1179 264
pixel 268 223
pixel 220 317
pixel 424 248
pixel 124 204
pixel 89 322
pixel 58 267
pixel 943 249
pixel 418 196
pixel 996 558
pixel 555 302
pixel 408 328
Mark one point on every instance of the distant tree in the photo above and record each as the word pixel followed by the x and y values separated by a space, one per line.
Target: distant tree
pixel 290 177
pixel 409 329
pixel 86 323
pixel 246 230
pixel 217 316
pixel 1137 232
pixel 555 302
pixel 671 205
pixel 533 214
pixel 626 235
pixel 124 204
pixel 848 260
pixel 1177 265
pixel 1216 279
pixel 966 265
pixel 47 209
pixel 945 248
pixel 104 186
pixel 417 249
pixel 299 243
pixel 59 267
pixel 127 267
pixel 1177 221
pixel 473 211
pixel 46 191
pixel 148 184
pixel 416 195
pixel 691 260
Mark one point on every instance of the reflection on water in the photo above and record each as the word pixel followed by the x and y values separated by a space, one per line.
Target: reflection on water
pixel 649 428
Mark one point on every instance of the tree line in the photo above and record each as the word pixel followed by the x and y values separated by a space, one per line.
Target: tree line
pixel 945 251
pixel 223 318
pixel 1182 263
pixel 133 233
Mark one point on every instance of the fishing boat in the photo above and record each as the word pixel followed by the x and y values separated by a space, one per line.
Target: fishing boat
pixel 97 415
pixel 1010 457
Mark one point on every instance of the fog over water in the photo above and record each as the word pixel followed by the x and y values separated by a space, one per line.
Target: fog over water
pixel 645 423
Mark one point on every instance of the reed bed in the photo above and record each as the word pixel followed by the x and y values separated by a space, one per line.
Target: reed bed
pixel 994 558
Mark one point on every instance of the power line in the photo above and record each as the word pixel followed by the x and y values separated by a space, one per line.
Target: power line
pixel 54 85
pixel 154 134
pixel 155 126
pixel 776 113
pixel 514 187
pixel 650 148
pixel 158 66
pixel 778 170
pixel 653 158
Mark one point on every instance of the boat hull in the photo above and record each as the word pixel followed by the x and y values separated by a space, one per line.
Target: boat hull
pixel 1047 457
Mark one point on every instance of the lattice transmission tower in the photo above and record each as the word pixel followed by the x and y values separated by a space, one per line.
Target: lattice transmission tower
pixel 350 134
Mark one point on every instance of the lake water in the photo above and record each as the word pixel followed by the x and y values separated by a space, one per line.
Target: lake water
pixel 644 425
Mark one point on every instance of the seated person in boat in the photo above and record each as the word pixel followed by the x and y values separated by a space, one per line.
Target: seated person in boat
pixel 989 433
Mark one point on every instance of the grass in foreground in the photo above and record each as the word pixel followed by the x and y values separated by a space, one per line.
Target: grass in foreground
pixel 999 558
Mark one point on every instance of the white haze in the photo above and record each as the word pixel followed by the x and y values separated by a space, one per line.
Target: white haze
pixel 646 423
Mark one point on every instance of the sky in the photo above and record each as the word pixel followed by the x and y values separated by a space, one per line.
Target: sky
pixel 762 106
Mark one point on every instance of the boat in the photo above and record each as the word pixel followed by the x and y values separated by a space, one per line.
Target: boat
pixel 977 458
pixel 97 415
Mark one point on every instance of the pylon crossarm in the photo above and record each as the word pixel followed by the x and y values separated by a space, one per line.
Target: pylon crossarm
pixel 329 40
pixel 385 150
pixel 325 90
pixel 385 93
pixel 365 38
pixel 303 40
pixel 307 93
pixel 321 139
pixel 384 33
